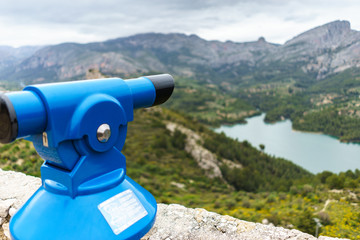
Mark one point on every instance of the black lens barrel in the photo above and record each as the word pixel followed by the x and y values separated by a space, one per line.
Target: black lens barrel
pixel 164 86
pixel 8 120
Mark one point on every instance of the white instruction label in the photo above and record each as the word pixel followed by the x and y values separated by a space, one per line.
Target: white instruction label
pixel 122 210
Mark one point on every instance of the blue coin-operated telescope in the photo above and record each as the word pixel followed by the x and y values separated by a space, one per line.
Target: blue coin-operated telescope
pixel 79 129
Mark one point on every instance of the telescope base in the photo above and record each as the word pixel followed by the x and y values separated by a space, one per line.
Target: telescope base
pixel 126 211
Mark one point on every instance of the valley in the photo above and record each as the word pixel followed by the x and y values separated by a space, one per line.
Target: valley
pixel 248 183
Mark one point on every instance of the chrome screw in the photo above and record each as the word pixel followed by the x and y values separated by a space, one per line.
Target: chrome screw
pixel 103 133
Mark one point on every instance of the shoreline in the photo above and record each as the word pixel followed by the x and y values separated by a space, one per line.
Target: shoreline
pixel 245 121
pixel 283 136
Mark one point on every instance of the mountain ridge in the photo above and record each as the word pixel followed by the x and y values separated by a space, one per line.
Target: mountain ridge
pixel 10 56
pixel 315 54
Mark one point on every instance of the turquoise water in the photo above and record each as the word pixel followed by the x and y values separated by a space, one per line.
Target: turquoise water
pixel 314 152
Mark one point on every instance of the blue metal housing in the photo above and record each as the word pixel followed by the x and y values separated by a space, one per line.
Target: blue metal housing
pixel 85 193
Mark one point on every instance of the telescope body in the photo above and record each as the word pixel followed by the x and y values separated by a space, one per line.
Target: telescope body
pixel 79 129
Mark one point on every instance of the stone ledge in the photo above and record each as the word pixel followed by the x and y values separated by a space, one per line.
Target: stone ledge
pixel 173 222
pixel 177 222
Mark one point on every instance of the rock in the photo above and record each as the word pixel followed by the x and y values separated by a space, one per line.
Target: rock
pixel 204 158
pixel 178 185
pixel 177 222
pixel 12 211
pixel 16 188
pixel 5 205
pixel 6 231
pixel 265 221
pixel 172 221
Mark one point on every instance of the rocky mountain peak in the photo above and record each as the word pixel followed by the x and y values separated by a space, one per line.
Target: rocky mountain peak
pixel 338 26
pixel 330 35
pixel 261 40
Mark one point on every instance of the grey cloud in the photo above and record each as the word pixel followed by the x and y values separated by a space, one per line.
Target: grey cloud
pixel 115 18
pixel 67 11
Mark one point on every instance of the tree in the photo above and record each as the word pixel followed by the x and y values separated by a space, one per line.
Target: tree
pixel 324 175
pixel 262 147
pixel 306 223
pixel 335 181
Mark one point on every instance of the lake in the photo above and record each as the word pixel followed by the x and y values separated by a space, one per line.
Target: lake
pixel 314 152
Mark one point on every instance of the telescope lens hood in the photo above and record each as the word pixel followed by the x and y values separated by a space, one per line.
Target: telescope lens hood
pixel 8 120
pixel 164 86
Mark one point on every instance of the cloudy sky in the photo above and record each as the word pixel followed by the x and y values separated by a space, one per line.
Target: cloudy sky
pixel 40 22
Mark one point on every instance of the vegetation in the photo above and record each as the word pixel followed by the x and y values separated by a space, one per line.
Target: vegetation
pixel 264 188
pixel 20 156
pixel 260 172
pixel 4 85
pixel 331 122
pixel 330 106
pixel 209 104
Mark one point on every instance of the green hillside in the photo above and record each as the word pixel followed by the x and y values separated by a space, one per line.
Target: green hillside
pixel 263 187
pixel 208 103
pixel 319 107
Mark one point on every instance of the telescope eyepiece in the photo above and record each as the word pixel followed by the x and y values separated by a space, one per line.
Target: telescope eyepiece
pixel 8 120
pixel 164 86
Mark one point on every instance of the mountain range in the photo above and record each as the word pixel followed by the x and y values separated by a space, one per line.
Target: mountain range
pixel 313 55
pixel 10 57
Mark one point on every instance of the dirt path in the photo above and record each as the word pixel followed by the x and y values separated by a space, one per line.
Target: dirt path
pixel 327 203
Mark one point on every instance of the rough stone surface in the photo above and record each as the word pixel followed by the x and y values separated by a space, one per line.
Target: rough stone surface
pixel 15 189
pixel 177 222
pixel 204 158
pixel 173 221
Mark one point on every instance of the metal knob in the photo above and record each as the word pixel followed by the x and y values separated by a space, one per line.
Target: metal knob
pixel 103 133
